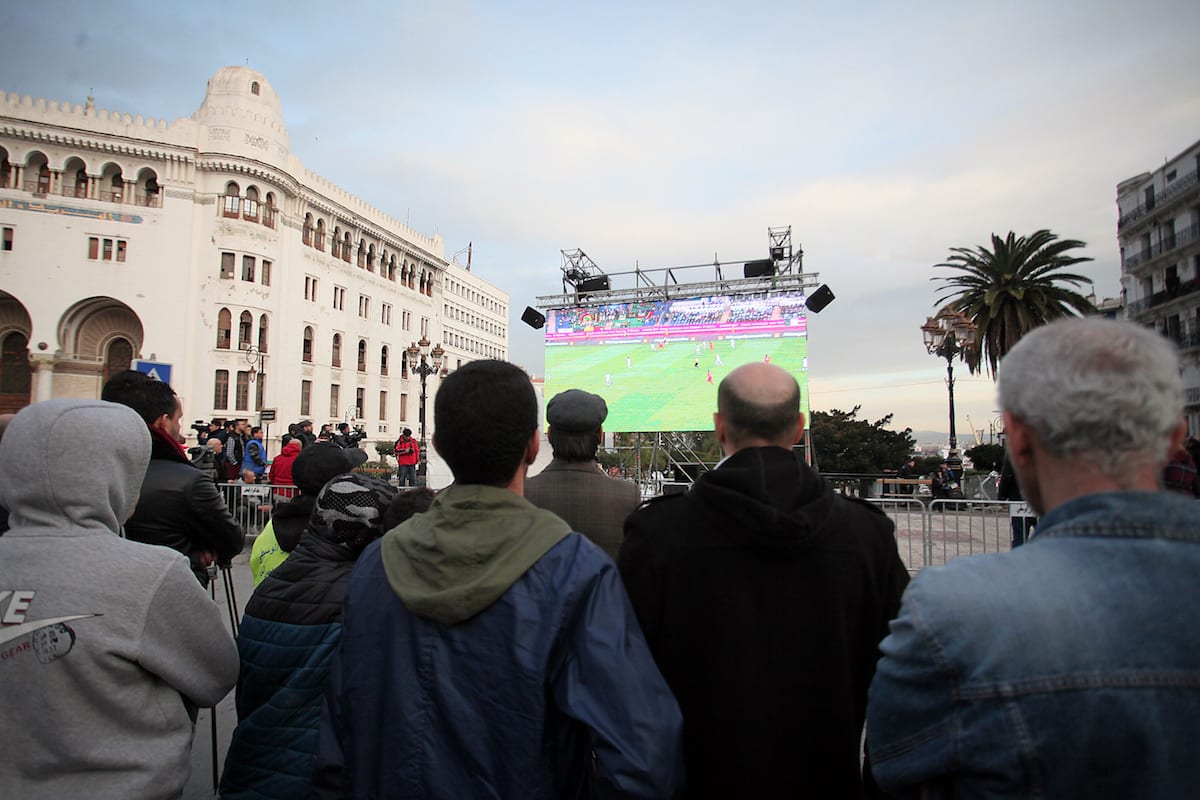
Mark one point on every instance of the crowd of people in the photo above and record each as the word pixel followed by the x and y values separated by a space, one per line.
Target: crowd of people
pixel 553 636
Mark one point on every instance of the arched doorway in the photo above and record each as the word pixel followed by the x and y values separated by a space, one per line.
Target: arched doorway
pixel 16 377
pixel 16 374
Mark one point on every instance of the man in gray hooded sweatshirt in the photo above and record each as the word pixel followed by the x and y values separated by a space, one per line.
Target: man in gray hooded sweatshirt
pixel 106 646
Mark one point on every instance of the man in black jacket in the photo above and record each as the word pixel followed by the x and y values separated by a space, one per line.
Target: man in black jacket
pixel 179 506
pixel 764 596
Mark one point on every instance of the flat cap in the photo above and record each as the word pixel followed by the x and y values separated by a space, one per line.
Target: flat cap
pixel 576 411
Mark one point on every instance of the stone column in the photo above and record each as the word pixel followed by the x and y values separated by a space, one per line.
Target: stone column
pixel 42 365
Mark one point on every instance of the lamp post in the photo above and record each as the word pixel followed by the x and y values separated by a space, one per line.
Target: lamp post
pixel 423 362
pixel 950 335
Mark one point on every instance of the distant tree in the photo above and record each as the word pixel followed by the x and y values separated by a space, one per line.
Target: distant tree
pixel 986 457
pixel 843 443
pixel 1011 289
pixel 927 465
pixel 384 449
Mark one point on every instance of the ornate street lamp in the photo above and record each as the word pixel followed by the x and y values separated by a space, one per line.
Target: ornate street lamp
pixel 950 335
pixel 423 362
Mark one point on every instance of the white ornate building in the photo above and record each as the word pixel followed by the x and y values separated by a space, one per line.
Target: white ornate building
pixel 205 244
pixel 1159 234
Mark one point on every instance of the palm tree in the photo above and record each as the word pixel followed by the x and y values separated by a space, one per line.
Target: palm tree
pixel 1011 289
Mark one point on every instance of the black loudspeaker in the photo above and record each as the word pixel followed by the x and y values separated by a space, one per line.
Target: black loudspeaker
pixel 777 254
pixel 600 283
pixel 533 318
pixel 685 473
pixel 819 299
pixel 759 269
pixel 675 488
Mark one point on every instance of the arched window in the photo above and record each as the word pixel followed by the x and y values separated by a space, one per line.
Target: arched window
pixel 371 258
pixel 250 205
pixel 320 243
pixel 254 88
pixel 5 169
pixel 362 254
pixel 362 356
pixel 307 234
pixel 262 333
pixel 232 201
pixel 347 244
pixel 383 361
pixel 245 330
pixel 224 325
pixel 118 357
pixel 335 249
pixel 75 179
pixel 335 357
pixel 270 210
pixel 306 352
pixel 422 281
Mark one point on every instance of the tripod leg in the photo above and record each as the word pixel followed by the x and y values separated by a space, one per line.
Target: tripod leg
pixel 230 599
pixel 216 774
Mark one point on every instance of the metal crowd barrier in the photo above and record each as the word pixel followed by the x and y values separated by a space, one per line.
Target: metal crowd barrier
pixel 929 536
pixel 251 504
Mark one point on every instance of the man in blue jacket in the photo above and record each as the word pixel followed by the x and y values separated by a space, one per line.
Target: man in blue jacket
pixel 488 650
pixel 1069 667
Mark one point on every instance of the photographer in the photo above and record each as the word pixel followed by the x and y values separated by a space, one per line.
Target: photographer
pixel 347 437
pixel 178 507
pixel 206 458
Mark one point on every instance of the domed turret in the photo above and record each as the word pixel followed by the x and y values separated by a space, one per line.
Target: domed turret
pixel 244 116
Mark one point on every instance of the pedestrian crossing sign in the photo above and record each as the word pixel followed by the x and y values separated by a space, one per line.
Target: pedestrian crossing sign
pixel 156 370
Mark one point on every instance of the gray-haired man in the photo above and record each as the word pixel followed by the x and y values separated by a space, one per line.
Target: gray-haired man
pixel 1069 667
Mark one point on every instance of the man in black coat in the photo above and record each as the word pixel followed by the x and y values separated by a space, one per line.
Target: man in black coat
pixel 764 596
pixel 179 506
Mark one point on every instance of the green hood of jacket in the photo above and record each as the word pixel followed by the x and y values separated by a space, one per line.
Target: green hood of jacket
pixel 473 543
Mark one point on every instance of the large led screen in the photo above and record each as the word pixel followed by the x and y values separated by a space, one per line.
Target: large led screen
pixel 657 364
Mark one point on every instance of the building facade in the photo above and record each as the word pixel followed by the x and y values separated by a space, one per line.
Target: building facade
pixel 205 245
pixel 1159 233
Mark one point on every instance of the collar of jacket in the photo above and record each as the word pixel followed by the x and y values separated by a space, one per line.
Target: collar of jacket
pixel 163 446
pixel 1125 515
pixel 473 543
pixel 575 466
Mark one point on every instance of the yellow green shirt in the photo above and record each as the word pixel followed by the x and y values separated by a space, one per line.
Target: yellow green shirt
pixel 266 554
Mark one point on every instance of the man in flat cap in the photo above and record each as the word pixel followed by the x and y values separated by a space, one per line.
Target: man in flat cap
pixel 573 486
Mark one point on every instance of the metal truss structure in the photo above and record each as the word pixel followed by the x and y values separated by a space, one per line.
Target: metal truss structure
pixel 667 283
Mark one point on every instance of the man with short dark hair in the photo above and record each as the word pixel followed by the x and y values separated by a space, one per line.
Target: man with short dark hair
pixel 572 485
pixel 763 595
pixel 408 453
pixel 179 506
pixel 235 448
pixel 255 459
pixel 493 649
pixel 1069 667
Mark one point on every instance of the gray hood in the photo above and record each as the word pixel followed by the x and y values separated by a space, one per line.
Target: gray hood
pixel 73 464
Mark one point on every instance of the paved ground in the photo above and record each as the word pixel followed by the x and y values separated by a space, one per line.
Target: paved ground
pixel 200 784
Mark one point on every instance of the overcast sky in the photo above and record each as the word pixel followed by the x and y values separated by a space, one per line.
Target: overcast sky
pixel 662 133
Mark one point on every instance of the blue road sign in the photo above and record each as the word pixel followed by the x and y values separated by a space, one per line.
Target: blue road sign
pixel 160 372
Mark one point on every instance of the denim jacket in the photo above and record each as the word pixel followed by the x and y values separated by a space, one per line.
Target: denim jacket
pixel 1067 668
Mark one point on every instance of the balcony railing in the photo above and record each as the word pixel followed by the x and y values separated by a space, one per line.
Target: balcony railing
pixel 150 200
pixel 1176 188
pixel 1173 242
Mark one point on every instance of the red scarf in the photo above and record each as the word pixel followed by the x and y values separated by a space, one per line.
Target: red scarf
pixel 163 436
